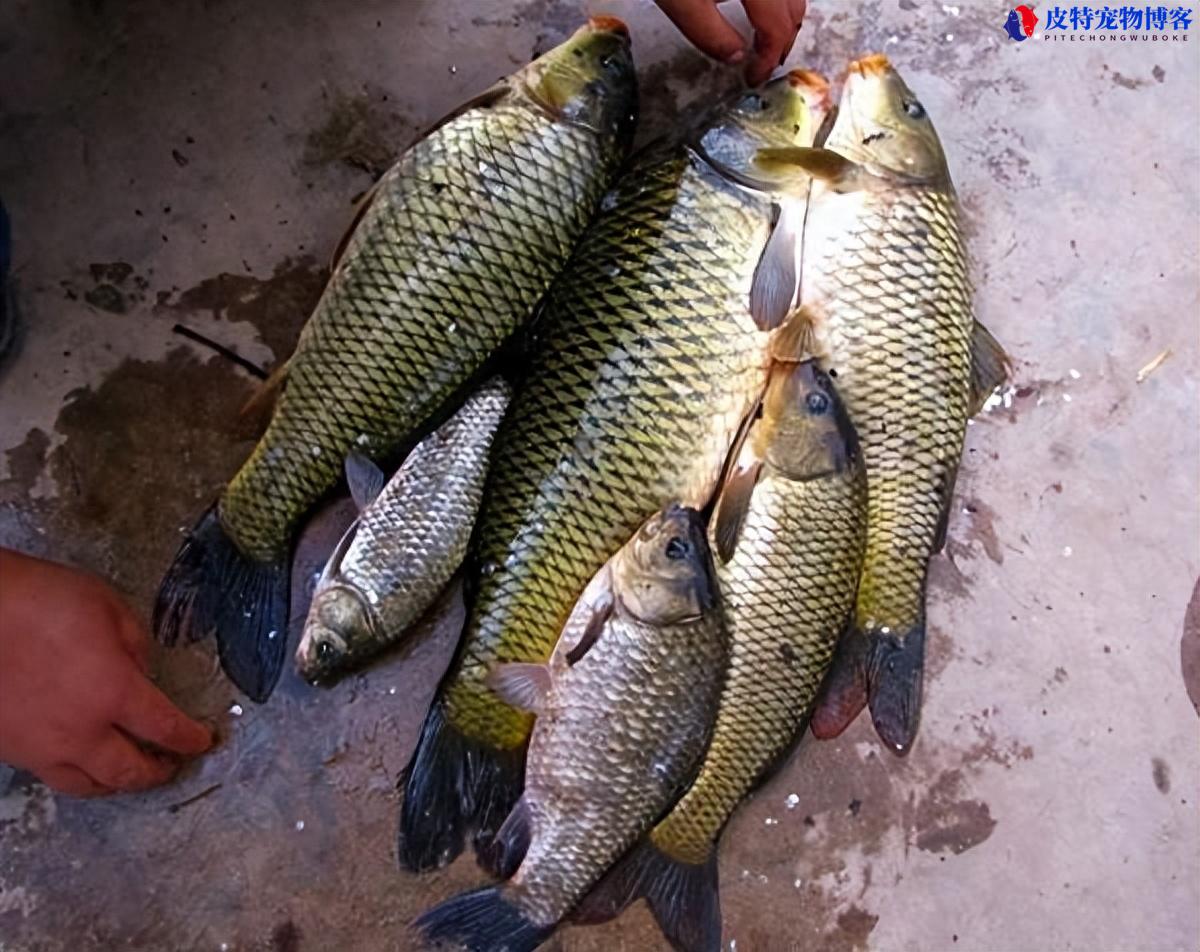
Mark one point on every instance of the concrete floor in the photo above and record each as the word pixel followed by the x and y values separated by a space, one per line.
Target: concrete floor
pixel 195 162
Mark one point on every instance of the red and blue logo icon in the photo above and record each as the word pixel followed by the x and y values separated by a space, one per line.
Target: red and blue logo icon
pixel 1020 23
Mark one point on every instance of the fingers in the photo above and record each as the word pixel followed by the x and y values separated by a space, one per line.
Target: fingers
pixel 72 781
pixel 775 23
pixel 118 764
pixel 149 715
pixel 705 28
pixel 134 637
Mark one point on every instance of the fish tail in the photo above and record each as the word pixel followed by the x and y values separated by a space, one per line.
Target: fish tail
pixel 683 897
pixel 897 663
pixel 481 921
pixel 880 668
pixel 844 691
pixel 212 587
pixel 454 785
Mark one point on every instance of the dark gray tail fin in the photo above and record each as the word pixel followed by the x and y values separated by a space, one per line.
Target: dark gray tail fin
pixel 683 897
pixel 897 666
pixel 454 786
pixel 879 669
pixel 212 588
pixel 480 921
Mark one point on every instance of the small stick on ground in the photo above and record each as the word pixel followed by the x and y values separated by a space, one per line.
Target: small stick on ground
pixel 1153 365
pixel 176 807
pixel 249 366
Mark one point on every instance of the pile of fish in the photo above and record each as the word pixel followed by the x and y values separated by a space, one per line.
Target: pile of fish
pixel 686 423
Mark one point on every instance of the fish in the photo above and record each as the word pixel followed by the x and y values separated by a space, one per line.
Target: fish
pixel 460 240
pixel 623 714
pixel 885 303
pixel 644 362
pixel 789 529
pixel 408 541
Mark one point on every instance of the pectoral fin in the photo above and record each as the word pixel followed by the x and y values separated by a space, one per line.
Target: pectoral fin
pixel 774 284
pixel 732 508
pixel 601 608
pixel 365 479
pixel 263 400
pixel 524 686
pixel 823 164
pixel 990 367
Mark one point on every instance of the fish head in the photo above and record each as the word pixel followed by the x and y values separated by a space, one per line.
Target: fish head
pixel 664 575
pixel 805 431
pixel 338 618
pixel 589 79
pixel 785 112
pixel 882 125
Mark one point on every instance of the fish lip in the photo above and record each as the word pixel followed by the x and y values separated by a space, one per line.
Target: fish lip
pixel 605 23
pixel 811 84
pixel 872 64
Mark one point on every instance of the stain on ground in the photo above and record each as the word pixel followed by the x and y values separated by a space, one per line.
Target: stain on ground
pixel 948 822
pixel 277 306
pixel 360 131
pixel 1189 648
pixel 285 937
pixel 1162 774
pixel 854 928
pixel 112 290
pixel 116 440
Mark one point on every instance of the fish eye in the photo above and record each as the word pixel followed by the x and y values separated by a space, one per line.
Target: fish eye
pixel 817 403
pixel 755 101
pixel 914 109
pixel 677 549
pixel 325 651
pixel 609 61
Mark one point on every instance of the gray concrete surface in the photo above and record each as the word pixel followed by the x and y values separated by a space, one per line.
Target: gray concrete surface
pixel 195 162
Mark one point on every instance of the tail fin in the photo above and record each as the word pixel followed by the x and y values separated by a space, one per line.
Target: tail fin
pixel 882 669
pixel 897 666
pixel 211 587
pixel 453 785
pixel 481 921
pixel 684 897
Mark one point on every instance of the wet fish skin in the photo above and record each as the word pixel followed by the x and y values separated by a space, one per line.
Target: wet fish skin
pixel 622 721
pixel 647 360
pixel 461 239
pixel 405 545
pixel 887 298
pixel 792 515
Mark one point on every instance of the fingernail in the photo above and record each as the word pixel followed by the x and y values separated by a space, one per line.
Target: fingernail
pixel 735 57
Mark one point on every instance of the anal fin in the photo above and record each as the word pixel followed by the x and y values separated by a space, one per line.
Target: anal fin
pixel 990 367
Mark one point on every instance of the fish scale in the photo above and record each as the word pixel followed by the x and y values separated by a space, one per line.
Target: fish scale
pixel 898 339
pixel 672 261
pixel 439 251
pixel 788 590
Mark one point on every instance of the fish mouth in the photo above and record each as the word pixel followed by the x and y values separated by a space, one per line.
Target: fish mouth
pixel 809 83
pixel 873 64
pixel 608 24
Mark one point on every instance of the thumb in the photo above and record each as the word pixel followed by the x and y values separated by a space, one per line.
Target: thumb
pixel 705 28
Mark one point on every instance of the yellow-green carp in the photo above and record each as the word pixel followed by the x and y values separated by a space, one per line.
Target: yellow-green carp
pixel 461 238
pixel 886 305
pixel 647 358
pixel 624 707
pixel 789 528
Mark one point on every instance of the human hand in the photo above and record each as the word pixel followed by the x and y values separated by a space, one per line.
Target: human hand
pixel 76 704
pixel 775 22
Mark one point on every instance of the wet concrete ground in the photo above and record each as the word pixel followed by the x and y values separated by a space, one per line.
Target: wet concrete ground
pixel 195 163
